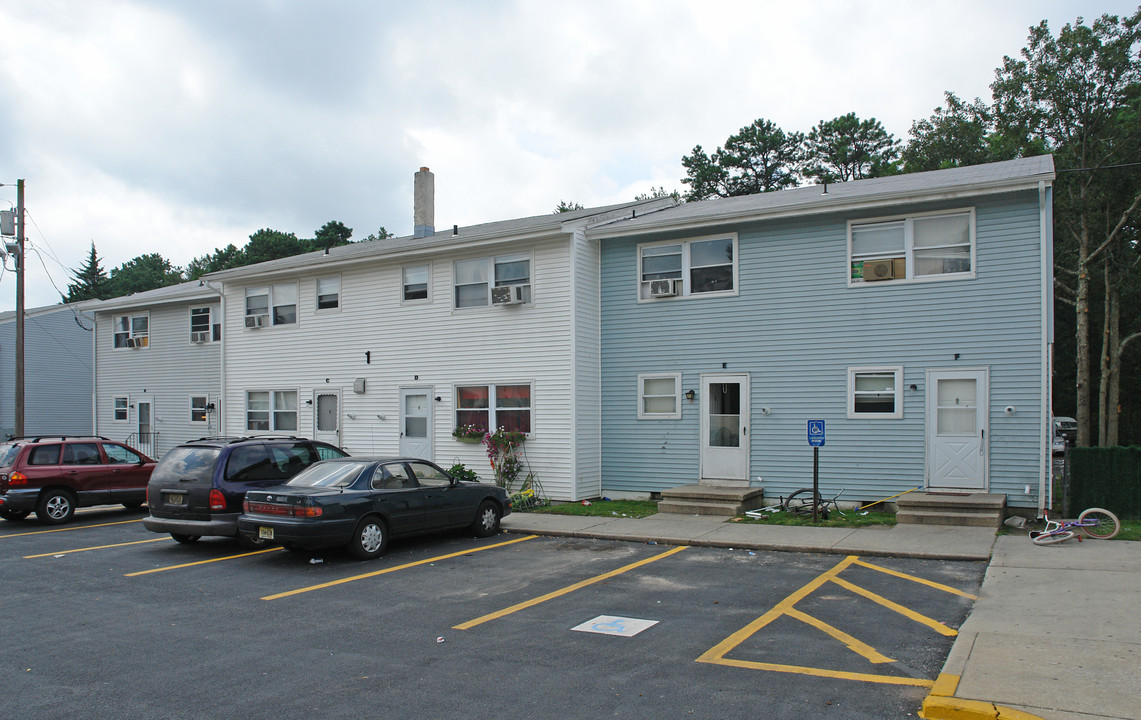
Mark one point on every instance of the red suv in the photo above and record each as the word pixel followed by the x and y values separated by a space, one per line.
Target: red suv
pixel 54 475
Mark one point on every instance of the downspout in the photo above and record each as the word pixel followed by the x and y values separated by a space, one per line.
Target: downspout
pixel 95 373
pixel 1046 225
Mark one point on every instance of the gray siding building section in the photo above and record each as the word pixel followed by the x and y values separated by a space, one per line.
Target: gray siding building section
pixel 57 372
pixel 796 326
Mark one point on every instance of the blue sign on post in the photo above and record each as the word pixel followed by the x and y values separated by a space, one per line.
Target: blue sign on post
pixel 816 433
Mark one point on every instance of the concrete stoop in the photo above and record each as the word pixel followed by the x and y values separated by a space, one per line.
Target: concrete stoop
pixel 978 509
pixel 710 500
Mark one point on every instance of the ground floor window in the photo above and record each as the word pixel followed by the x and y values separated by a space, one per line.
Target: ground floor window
pixel 198 405
pixel 490 407
pixel 659 396
pixel 121 404
pixel 271 410
pixel 875 392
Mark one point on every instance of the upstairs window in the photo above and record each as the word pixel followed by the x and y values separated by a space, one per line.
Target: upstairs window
pixel 500 280
pixel 700 266
pixel 132 331
pixel 203 328
pixel 328 293
pixel 276 305
pixel 415 283
pixel 923 247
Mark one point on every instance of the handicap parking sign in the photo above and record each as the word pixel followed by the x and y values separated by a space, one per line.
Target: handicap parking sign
pixel 816 433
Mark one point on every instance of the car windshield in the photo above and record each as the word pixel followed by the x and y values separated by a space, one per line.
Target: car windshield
pixel 8 454
pixel 187 463
pixel 329 474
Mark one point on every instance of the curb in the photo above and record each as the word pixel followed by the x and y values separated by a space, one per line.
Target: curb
pixel 941 705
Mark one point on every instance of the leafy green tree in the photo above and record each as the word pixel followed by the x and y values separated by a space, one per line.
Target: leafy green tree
pixel 91 281
pixel 658 192
pixel 267 244
pixel 332 234
pixel 847 148
pixel 758 158
pixel 564 207
pixel 957 135
pixel 381 234
pixel 224 259
pixel 1076 95
pixel 145 272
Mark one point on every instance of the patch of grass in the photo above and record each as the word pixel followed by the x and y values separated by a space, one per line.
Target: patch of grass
pixel 850 519
pixel 603 508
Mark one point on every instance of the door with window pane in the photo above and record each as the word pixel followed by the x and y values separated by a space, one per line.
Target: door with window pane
pixel 416 423
pixel 724 428
pixel 957 402
pixel 327 417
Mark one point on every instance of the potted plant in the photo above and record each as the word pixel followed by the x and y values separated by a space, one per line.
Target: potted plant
pixel 469 433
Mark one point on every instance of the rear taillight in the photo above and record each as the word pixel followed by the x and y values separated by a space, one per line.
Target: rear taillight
pixel 264 508
pixel 17 478
pixel 217 500
pixel 306 511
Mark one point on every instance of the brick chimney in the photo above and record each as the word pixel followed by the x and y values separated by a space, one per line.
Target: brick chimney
pixel 424 204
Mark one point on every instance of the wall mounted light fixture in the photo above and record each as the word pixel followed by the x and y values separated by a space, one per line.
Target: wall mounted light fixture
pixel 689 395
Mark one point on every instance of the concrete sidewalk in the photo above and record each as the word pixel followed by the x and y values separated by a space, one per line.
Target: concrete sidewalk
pixel 1055 633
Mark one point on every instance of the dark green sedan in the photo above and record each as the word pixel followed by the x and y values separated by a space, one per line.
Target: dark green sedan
pixel 361 502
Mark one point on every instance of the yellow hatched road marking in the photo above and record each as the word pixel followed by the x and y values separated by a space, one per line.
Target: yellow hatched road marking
pixel 202 562
pixel 821 672
pixel 394 569
pixel 99 547
pixel 568 589
pixel 852 643
pixel 921 581
pixel 906 612
pixel 71 527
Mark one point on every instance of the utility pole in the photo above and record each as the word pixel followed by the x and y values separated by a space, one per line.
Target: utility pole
pixel 19 424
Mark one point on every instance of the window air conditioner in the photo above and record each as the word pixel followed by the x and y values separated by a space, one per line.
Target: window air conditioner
pixel 256 321
pixel 198 337
pixel 508 295
pixel 131 342
pixel 879 270
pixel 663 288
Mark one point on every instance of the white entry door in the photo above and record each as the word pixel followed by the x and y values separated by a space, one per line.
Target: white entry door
pixel 957 402
pixel 416 422
pixel 724 428
pixel 327 417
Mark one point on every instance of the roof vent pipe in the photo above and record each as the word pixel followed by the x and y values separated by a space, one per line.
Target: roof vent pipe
pixel 424 204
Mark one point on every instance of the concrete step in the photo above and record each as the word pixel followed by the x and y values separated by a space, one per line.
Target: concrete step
pixel 977 509
pixel 710 500
pixel 700 508
pixel 945 517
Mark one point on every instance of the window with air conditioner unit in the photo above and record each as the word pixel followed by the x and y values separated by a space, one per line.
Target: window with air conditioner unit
pixel 257 321
pixel 501 280
pixel 704 266
pixel 131 331
pixel 199 337
pixel 928 246
pixel 273 305
pixel 204 326
pixel 509 295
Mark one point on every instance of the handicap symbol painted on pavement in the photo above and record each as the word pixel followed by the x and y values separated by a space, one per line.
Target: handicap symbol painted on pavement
pixel 611 625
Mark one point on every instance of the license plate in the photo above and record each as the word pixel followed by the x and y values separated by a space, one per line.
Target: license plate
pixel 173 499
pixel 265 533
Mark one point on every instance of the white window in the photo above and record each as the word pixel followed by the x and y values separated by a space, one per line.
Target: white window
pixel 121 405
pixel 328 293
pixel 132 331
pixel 659 396
pixel 489 407
pixel 203 328
pixel 415 283
pixel 920 247
pixel 474 279
pixel 282 299
pixel 875 392
pixel 700 266
pixel 271 410
pixel 198 408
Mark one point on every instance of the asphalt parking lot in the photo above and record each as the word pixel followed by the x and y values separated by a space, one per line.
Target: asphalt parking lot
pixel 104 619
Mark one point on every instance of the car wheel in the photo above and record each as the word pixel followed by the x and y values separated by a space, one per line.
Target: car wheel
pixel 185 539
pixel 252 543
pixel 14 514
pixel 486 519
pixel 55 507
pixel 369 539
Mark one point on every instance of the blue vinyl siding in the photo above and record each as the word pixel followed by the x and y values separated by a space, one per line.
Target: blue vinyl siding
pixel 796 327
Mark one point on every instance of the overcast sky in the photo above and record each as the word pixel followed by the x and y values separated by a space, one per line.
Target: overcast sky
pixel 178 127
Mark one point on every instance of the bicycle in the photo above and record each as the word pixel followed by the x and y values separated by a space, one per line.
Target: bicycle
pixel 1094 523
pixel 801 502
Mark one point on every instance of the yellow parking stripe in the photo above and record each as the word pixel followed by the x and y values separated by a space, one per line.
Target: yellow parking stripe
pixel 70 527
pixel 202 562
pixel 394 569
pixel 921 581
pixel 852 643
pixel 568 589
pixel 821 672
pixel 906 612
pixel 99 547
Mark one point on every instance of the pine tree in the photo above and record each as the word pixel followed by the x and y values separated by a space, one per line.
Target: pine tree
pixel 91 282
